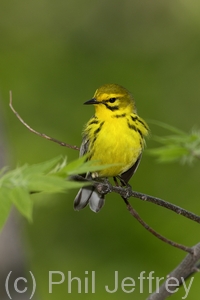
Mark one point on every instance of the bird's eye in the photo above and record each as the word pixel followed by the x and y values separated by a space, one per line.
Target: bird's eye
pixel 112 100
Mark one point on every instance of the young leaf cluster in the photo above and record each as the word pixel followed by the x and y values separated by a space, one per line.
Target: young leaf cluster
pixel 178 146
pixel 16 186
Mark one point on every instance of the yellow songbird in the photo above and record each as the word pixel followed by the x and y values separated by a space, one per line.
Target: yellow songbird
pixel 114 136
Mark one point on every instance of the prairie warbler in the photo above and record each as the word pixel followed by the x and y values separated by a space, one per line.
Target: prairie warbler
pixel 113 136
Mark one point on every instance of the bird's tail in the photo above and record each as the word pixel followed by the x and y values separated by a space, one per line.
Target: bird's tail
pixel 88 195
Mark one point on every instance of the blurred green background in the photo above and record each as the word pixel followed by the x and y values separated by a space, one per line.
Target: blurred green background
pixel 53 56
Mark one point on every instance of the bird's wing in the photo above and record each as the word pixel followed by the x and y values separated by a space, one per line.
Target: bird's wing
pixel 88 194
pixel 126 176
pixel 84 146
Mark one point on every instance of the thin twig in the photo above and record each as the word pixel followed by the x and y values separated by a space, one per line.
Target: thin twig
pixel 151 230
pixel 38 133
pixel 105 188
pixel 144 197
pixel 182 271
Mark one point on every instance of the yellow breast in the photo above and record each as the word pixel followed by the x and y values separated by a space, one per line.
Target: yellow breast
pixel 113 141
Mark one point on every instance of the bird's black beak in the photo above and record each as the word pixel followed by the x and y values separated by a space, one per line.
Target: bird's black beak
pixel 92 101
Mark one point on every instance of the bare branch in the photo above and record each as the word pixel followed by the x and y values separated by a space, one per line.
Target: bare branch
pixel 151 230
pixel 185 269
pixel 144 197
pixel 105 187
pixel 38 133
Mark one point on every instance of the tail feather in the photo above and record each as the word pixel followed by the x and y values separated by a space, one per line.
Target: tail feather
pixel 88 195
pixel 96 201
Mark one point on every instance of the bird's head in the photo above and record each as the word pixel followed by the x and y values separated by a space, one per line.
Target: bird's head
pixel 110 99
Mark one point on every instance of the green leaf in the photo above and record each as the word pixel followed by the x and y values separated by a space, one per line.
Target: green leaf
pixel 13 177
pixel 168 154
pixel 20 197
pixel 5 205
pixel 91 167
pixel 75 184
pixel 79 166
pixel 51 184
pixel 74 166
pixel 181 146
pixel 50 177
pixel 43 167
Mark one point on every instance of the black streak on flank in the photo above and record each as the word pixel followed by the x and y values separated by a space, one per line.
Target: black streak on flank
pixel 95 137
pixel 131 126
pixel 93 121
pixel 98 129
pixel 143 124
pixel 135 118
pixel 140 133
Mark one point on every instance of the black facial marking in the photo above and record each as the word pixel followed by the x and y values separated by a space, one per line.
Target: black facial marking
pixel 112 108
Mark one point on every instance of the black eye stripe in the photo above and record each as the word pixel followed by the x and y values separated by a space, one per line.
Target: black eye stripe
pixel 112 108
